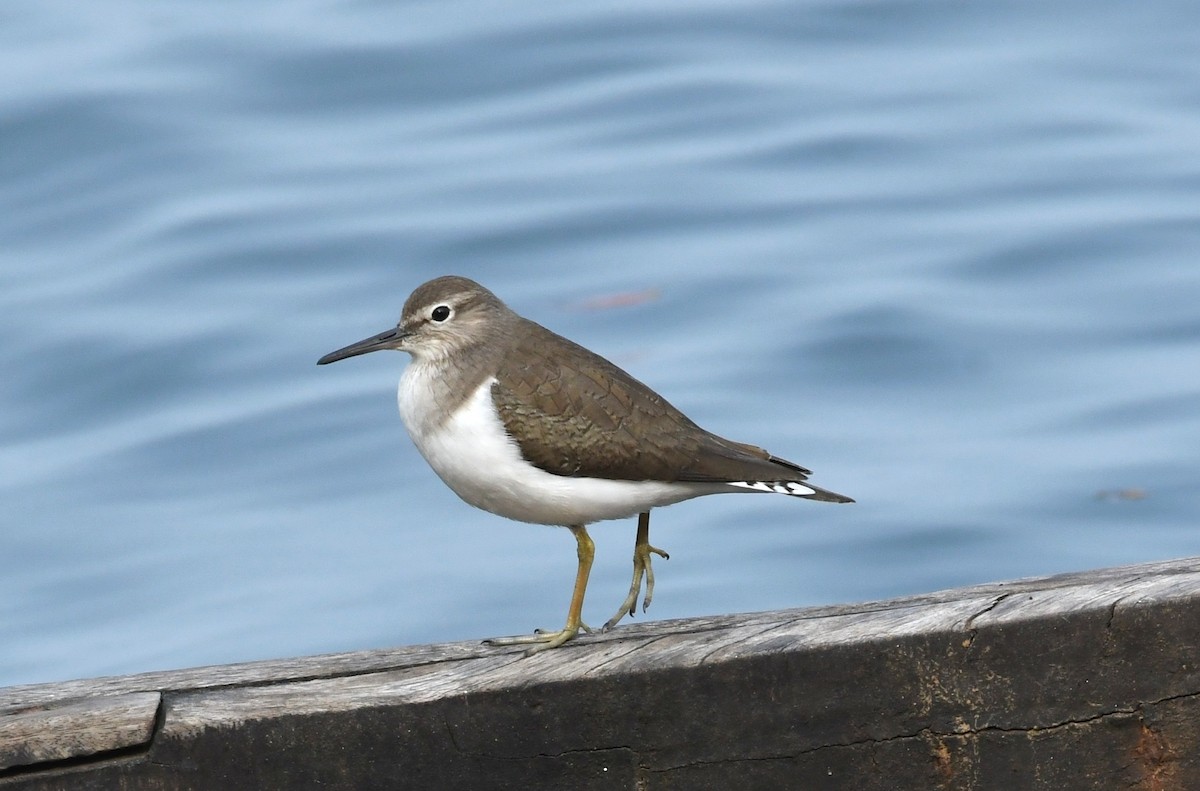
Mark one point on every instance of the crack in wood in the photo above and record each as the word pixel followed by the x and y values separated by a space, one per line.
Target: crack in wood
pixel 972 632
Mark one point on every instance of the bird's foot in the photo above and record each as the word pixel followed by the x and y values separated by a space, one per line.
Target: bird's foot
pixel 540 640
pixel 641 566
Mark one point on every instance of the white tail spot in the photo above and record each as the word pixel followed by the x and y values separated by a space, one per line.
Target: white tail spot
pixel 778 487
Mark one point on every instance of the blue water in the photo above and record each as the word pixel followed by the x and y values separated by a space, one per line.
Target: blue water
pixel 943 253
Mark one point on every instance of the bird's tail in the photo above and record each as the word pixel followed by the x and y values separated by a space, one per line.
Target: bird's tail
pixel 795 489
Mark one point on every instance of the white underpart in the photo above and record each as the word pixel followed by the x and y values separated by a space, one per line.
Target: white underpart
pixel 476 458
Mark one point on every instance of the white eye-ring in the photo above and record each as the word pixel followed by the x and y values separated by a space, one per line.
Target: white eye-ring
pixel 440 313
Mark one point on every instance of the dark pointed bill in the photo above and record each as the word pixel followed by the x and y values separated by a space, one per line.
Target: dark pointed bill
pixel 384 340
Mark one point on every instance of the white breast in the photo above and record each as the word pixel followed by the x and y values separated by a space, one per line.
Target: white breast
pixel 475 457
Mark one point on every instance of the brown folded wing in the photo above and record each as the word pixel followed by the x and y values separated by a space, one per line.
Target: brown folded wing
pixel 595 420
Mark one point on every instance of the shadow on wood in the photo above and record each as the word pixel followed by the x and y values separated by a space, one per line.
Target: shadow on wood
pixel 1077 681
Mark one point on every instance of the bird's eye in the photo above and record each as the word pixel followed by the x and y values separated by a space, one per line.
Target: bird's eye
pixel 440 313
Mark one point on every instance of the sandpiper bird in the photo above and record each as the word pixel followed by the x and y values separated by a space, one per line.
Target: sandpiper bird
pixel 524 423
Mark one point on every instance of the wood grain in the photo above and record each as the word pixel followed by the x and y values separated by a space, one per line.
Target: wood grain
pixel 1087 680
pixel 76 728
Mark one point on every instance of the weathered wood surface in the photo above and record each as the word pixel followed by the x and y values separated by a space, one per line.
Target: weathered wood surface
pixel 76 728
pixel 1078 681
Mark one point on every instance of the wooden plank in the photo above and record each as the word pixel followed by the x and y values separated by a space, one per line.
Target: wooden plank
pixel 78 728
pixel 1077 681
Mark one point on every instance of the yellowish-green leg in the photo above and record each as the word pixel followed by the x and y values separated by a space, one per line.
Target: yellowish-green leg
pixel 641 565
pixel 539 640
